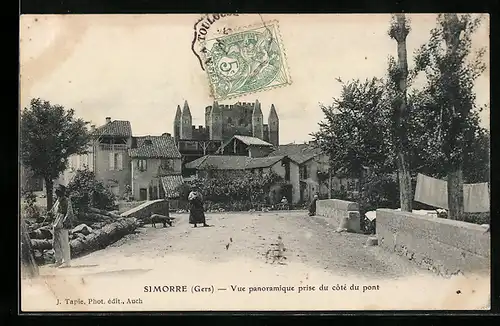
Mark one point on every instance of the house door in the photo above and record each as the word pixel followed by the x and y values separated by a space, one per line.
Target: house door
pixel 302 191
pixel 143 194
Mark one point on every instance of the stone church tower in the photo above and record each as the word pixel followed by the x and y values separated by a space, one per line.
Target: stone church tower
pixel 177 124
pixel 215 122
pixel 186 123
pixel 273 126
pixel 257 121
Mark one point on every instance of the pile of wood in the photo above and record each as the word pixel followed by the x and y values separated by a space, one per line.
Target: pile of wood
pixel 98 230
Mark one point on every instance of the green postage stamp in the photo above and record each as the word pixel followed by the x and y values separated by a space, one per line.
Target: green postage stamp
pixel 246 61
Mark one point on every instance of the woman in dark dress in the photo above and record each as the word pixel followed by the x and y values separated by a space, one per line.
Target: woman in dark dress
pixel 312 206
pixel 196 211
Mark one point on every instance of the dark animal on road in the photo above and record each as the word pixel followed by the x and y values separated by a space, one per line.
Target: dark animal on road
pixel 157 218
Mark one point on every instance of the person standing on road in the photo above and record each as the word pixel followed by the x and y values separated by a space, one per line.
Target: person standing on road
pixel 196 211
pixel 312 206
pixel 63 211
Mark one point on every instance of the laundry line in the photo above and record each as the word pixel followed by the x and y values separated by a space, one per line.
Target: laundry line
pixel 434 192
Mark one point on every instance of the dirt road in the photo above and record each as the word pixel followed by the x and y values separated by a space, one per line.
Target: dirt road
pixel 309 240
pixel 232 252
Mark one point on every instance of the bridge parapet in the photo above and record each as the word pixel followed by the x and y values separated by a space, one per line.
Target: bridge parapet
pixel 344 213
pixel 444 246
pixel 144 211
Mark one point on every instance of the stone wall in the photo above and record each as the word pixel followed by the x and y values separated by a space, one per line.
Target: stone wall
pixel 144 211
pixel 344 213
pixel 444 246
pixel 124 206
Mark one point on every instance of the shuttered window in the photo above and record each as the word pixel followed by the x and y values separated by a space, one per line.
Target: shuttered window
pixel 116 161
pixel 142 165
pixel 111 161
pixel 119 161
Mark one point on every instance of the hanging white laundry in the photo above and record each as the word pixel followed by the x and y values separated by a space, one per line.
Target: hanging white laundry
pixel 434 192
pixel 476 198
pixel 431 191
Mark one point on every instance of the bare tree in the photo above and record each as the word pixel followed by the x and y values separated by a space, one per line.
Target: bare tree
pixel 398 31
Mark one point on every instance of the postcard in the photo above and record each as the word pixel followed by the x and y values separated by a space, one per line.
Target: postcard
pixel 254 162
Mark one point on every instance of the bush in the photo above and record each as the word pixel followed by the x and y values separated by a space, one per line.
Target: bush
pixel 238 192
pixel 86 191
pixel 477 218
pixel 31 210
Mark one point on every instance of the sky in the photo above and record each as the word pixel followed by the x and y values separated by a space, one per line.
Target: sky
pixel 140 67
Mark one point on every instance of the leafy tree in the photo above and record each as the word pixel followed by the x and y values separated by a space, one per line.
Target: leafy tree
pixel 49 135
pixel 356 130
pixel 399 30
pixel 450 73
pixel 425 141
pixel 86 191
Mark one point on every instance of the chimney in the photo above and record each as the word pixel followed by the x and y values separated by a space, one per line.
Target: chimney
pixel 108 119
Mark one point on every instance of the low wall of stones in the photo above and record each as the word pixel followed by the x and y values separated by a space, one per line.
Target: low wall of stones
pixel 143 212
pixel 447 247
pixel 343 213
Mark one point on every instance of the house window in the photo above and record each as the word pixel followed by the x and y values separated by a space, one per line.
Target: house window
pixel 287 172
pixel 85 161
pixel 142 165
pixel 167 165
pixel 303 172
pixel 115 161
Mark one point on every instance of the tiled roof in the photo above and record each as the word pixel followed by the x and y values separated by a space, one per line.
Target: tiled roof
pixel 226 162
pixel 171 184
pixel 247 140
pixel 154 147
pixel 299 153
pixel 262 162
pixel 117 128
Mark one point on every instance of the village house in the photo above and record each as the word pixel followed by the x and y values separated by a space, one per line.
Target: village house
pixel 246 146
pixel 309 170
pixel 107 156
pixel 155 168
pixel 304 166
pixel 148 166
pixel 232 165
